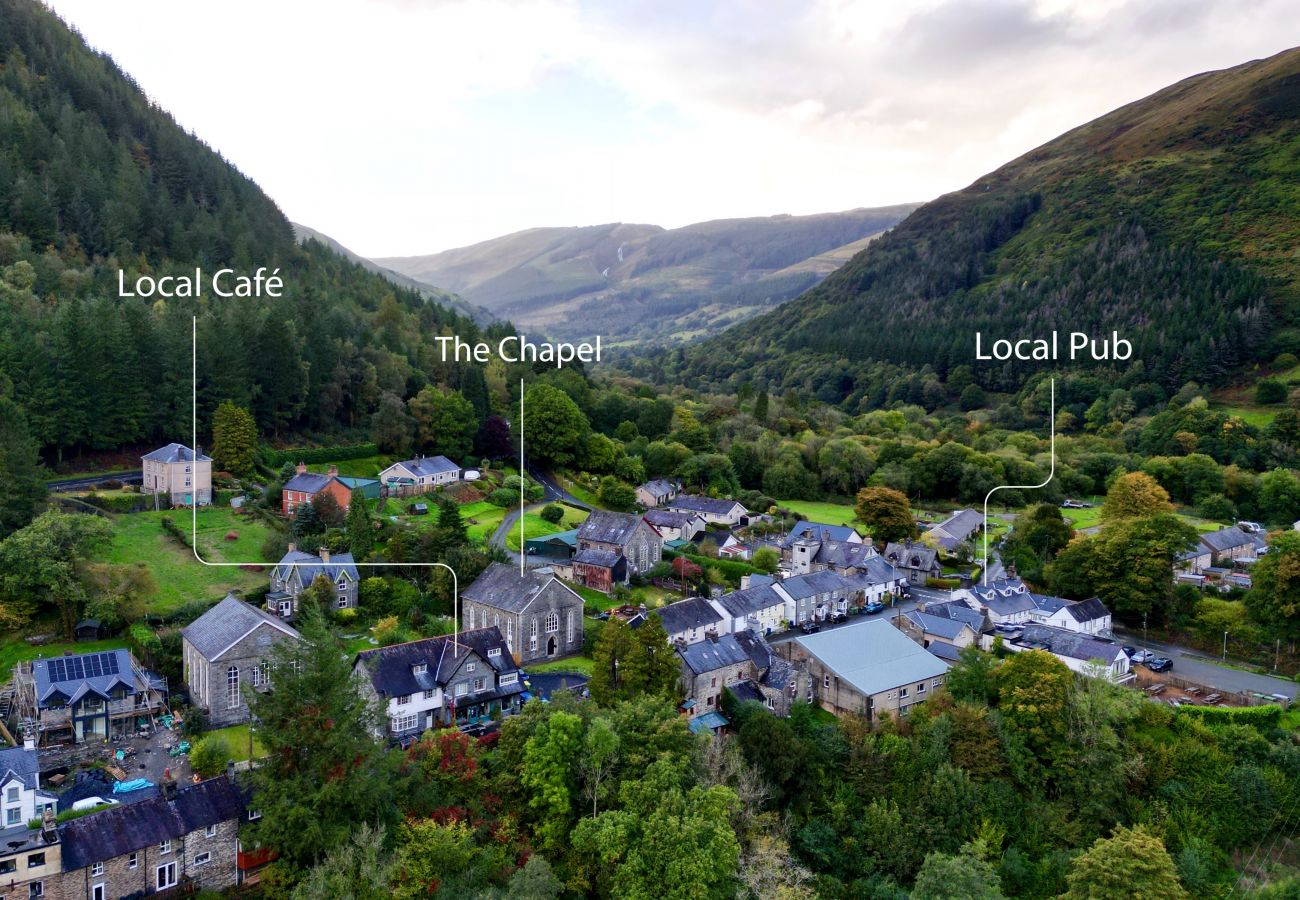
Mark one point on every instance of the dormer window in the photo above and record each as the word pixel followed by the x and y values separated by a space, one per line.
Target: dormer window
pixel 494 652
pixel 419 668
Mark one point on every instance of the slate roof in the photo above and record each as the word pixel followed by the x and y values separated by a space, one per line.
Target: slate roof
pixel 659 488
pixel 709 721
pixel 502 587
pixel 428 466
pixel 705 505
pixel 746 691
pixel 693 612
pixel 608 527
pixel 844 554
pixel 76 676
pixel 1088 610
pixel 872 571
pixel 226 623
pixel 818 531
pixel 939 626
pixel 308 482
pixel 709 655
pixel 756 648
pixel 1225 539
pixel 22 763
pixel 1050 605
pixel 902 554
pixel 135 826
pixel 392 669
pixel 607 559
pixel 801 586
pixel 175 453
pixel 750 601
pixel 946 652
pixel 666 518
pixel 957 611
pixel 1063 642
pixel 309 566
pixel 961 524
pixel 873 656
pixel 1002 587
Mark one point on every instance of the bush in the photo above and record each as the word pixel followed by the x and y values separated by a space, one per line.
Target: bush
pixel 943 584
pixel 1270 390
pixel 1264 718
pixel 552 513
pixel 144 642
pixel 1217 508
pixel 1286 361
pixel 208 757
pixel 504 497
pixel 346 616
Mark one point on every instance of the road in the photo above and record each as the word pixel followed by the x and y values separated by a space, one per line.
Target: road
pixel 552 488
pixel 1193 665
pixel 510 520
pixel 78 484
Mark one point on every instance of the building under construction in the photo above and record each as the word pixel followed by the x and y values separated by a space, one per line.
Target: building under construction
pixel 86 697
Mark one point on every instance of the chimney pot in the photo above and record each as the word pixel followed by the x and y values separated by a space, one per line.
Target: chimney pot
pixel 325 554
pixel 302 468
pixel 292 547
pixel 49 829
pixel 334 470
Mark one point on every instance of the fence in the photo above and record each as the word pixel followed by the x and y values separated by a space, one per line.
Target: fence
pixel 1146 677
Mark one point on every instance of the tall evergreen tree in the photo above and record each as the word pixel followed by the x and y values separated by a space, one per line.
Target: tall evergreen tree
pixel 360 527
pixel 234 440
pixel 21 486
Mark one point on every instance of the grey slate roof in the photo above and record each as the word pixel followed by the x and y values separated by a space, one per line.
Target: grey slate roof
pixel 874 570
pixel 131 827
pixel 750 601
pixel 709 656
pixel 945 652
pixel 818 531
pixel 961 524
pixel 844 554
pixel 76 676
pixel 756 648
pixel 659 488
pixel 910 556
pixel 502 587
pixel 873 656
pixel 693 612
pixel 801 586
pixel 308 482
pixel 1062 642
pixel 668 518
pixel 705 504
pixel 746 691
pixel 608 527
pixel 310 566
pixel 942 627
pixel 957 611
pixel 22 763
pixel 1088 610
pixel 1226 539
pixel 175 453
pixel 428 466
pixel 392 669
pixel 592 557
pixel 227 622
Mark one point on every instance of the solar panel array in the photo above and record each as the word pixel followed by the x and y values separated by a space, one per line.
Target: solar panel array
pixel 78 668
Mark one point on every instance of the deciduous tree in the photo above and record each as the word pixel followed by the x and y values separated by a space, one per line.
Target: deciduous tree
pixel 887 513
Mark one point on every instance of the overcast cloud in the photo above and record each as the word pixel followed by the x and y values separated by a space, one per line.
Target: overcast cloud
pixel 411 126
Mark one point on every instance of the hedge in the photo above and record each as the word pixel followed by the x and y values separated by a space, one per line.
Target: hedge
pixel 1262 717
pixel 732 568
pixel 169 525
pixel 323 454
pixel 120 503
pixel 943 584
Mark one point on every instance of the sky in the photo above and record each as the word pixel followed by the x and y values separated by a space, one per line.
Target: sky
pixel 405 127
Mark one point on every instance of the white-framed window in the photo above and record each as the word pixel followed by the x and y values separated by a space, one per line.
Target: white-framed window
pixel 165 847
pixel 133 860
pixel 470 617
pixel 210 831
pixel 902 693
pixel 202 859
pixel 569 616
pixel 462 689
pixel 496 620
pixel 404 722
pixel 257 676
pixel 552 622
pixel 532 627
pixel 469 667
pixel 14 816
pixel 920 688
pixel 826 681
pixel 428 695
pixel 511 678
pixel 165 876
pixel 494 652
pixel 254 815
pixel 11 795
pixel 404 699
pixel 343 601
pixel 232 687
pixel 532 642
pixel 480 684
pixel 96 869
pixel 419 668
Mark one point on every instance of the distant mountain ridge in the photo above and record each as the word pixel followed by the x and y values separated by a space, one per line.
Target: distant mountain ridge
pixel 645 283
pixel 1171 220
pixel 306 233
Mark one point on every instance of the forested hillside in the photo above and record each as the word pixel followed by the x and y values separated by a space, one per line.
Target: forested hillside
pixel 97 179
pixel 644 283
pixel 1165 220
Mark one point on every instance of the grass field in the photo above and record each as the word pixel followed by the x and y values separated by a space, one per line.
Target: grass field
pixel 535 526
pixel 180 578
pixel 365 467
pixel 581 664
pixel 1252 415
pixel 1083 518
pixel 13 649
pixel 236 738
pixel 481 519
pixel 818 511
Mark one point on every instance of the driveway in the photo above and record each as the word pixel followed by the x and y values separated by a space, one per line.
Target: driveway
pixel 552 487
pixel 510 520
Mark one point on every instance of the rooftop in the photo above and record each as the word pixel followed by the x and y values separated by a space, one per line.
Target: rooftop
pixel 873 656
pixel 819 531
pixel 705 504
pixel 175 453
pixel 502 586
pixel 684 615
pixel 395 670
pixel 607 527
pixel 227 623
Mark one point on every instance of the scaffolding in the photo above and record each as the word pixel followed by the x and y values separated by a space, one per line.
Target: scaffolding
pixel 52 726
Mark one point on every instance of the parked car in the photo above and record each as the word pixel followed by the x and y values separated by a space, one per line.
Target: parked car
pixel 1160 664
pixel 810 628
pixel 94 802
pixel 1142 656
pixel 1250 527
pixel 1128 651
pixel 840 617
pixel 872 607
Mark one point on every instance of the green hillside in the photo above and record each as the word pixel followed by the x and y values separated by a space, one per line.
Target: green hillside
pixel 96 179
pixel 645 284
pixel 1170 220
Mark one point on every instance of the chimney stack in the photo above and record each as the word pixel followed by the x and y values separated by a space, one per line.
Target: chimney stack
pixel 324 554
pixel 49 829
pixel 292 547
pixel 168 785
pixel 334 470
pixel 230 769
pixel 302 468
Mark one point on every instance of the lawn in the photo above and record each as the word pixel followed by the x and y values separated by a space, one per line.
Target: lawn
pixel 582 664
pixel 236 738
pixel 481 519
pixel 366 467
pixel 13 649
pixel 535 526
pixel 180 578
pixel 1252 415
pixel 1083 518
pixel 818 511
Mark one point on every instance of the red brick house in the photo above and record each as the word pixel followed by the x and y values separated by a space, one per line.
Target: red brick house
pixel 303 488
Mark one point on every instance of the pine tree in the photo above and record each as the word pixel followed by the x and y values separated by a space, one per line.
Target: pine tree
pixel 234 439
pixel 451 522
pixel 361 530
pixel 21 486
